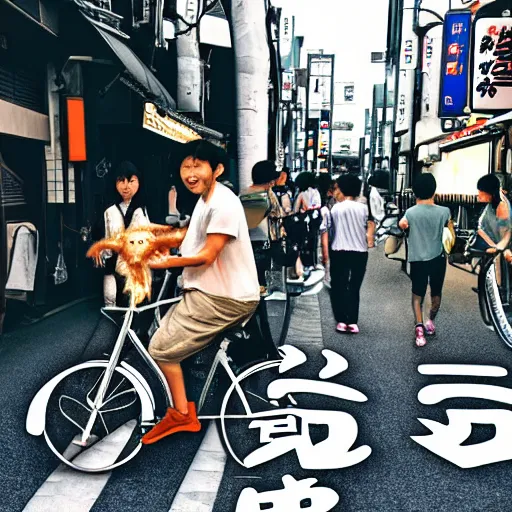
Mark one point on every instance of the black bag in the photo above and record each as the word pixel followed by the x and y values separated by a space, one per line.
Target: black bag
pixel 285 252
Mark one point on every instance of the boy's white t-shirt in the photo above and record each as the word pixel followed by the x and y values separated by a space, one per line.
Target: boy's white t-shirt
pixel 233 274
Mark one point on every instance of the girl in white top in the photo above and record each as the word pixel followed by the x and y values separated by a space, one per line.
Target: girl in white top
pixel 128 211
pixel 309 196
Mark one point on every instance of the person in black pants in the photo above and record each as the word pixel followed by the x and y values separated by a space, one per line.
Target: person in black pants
pixel 352 236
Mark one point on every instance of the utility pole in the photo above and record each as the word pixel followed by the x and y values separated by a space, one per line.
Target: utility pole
pixel 190 71
pixel 252 64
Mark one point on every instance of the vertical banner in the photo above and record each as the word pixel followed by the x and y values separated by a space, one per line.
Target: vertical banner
pixel 409 46
pixel 286 34
pixel 453 97
pixel 491 88
pixel 287 88
pixel 405 99
pixel 320 106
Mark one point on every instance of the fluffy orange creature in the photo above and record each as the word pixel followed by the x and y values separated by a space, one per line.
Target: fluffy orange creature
pixel 136 247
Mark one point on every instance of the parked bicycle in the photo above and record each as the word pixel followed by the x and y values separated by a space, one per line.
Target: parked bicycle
pixel 494 283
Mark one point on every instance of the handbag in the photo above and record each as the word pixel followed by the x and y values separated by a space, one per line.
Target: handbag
pixel 393 244
pixel 449 237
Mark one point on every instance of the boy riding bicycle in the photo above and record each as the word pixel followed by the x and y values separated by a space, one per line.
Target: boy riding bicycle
pixel 220 280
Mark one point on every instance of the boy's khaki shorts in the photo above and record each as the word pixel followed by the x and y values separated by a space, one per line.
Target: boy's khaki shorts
pixel 194 322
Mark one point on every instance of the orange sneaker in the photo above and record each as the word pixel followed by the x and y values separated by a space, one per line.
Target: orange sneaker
pixel 173 421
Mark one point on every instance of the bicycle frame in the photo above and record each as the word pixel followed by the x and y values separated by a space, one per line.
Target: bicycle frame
pixel 114 359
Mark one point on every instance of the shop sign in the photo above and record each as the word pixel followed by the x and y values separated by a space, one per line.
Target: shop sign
pixel 455 64
pixel 492 65
pixel 431 79
pixel 166 126
pixel 428 48
pixel 409 50
pixel 286 33
pixel 405 100
pixel 286 94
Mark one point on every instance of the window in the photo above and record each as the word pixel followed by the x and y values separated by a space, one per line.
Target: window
pixel 58 179
pixel 54 175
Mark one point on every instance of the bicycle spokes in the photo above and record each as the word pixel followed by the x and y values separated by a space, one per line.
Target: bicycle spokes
pixel 93 437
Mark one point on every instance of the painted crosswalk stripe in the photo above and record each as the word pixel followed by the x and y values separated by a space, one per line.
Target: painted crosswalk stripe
pixel 200 486
pixel 73 491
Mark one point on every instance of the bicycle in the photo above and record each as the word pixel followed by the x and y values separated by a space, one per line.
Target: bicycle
pixel 494 284
pixel 114 390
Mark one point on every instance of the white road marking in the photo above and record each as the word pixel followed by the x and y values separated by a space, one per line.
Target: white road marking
pixel 200 486
pixel 73 491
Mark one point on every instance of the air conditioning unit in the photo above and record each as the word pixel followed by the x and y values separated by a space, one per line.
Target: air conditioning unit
pixel 378 57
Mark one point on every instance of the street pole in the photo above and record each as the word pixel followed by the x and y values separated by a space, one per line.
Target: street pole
pixel 190 72
pixel 331 116
pixel 252 64
pixel 306 126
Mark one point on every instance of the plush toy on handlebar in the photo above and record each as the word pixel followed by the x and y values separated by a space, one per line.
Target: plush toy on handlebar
pixel 136 248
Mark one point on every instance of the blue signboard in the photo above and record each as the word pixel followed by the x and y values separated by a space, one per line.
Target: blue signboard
pixel 453 97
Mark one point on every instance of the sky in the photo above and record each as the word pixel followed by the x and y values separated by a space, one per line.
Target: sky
pixel 351 29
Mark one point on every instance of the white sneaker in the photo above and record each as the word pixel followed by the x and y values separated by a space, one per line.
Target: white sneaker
pixel 276 296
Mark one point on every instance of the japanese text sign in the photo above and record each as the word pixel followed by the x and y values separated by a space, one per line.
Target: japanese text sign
pixel 492 65
pixel 455 60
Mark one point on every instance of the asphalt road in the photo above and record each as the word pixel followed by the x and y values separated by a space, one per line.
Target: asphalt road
pixel 399 475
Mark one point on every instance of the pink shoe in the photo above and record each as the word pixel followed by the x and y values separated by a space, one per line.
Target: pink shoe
pixel 353 329
pixel 341 327
pixel 430 328
pixel 421 341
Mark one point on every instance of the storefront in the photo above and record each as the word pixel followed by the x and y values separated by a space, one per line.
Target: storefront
pixel 24 137
pixel 461 159
pixel 127 114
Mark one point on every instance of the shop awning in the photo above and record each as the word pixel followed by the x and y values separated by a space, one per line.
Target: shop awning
pixel 504 118
pixel 137 74
pixel 474 134
pixel 141 79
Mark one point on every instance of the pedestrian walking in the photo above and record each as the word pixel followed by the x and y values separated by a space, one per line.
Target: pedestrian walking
pixel 326 231
pixel 349 252
pixel 260 205
pixel 425 223
pixel 309 196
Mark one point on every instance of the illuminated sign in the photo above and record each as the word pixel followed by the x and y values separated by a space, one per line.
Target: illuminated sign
pixel 453 97
pixel 492 69
pixel 166 126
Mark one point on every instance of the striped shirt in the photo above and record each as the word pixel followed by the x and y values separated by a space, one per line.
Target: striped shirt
pixel 349 219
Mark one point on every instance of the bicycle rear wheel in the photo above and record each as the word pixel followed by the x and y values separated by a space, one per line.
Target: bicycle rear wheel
pixel 498 288
pixel 116 432
pixel 483 301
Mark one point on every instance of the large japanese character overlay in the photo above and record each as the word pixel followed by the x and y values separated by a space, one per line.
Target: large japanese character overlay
pixel 319 439
pixel 278 430
pixel 453 441
pixel 295 496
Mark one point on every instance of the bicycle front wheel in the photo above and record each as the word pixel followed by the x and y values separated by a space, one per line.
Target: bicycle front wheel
pixel 116 430
pixel 498 289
